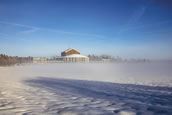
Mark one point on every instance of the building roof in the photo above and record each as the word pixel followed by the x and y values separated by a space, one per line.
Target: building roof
pixel 76 55
pixel 71 49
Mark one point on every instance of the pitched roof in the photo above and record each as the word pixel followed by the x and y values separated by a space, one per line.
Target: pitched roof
pixel 71 49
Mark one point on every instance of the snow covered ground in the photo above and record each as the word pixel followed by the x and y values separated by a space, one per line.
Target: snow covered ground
pixel 86 89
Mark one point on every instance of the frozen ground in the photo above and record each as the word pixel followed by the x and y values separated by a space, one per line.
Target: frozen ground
pixel 86 89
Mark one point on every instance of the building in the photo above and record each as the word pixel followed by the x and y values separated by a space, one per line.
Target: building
pixel 69 52
pixel 55 59
pixel 73 55
pixel 76 58
pixel 39 60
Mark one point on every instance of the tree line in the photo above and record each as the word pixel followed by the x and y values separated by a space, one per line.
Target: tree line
pixel 6 60
pixel 104 57
pixel 100 58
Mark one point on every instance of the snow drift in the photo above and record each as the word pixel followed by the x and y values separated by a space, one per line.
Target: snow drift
pixel 120 88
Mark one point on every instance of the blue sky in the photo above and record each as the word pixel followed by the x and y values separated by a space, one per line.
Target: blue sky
pixel 125 28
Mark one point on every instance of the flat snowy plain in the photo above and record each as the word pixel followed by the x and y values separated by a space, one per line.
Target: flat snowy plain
pixel 87 89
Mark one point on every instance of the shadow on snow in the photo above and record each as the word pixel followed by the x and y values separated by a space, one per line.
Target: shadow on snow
pixel 157 99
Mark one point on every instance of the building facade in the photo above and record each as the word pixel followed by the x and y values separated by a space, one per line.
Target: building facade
pixel 73 55
pixel 76 58
pixel 39 60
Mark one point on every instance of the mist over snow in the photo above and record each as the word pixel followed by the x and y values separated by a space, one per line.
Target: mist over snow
pixel 86 88
pixel 157 72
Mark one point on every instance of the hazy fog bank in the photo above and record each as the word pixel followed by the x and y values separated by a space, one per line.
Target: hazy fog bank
pixel 141 73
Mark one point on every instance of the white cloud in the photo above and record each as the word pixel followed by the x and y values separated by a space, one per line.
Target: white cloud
pixel 15 24
pixel 35 29
pixel 32 30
